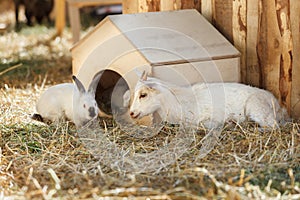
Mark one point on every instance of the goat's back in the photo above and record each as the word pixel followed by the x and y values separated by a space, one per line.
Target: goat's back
pixel 235 101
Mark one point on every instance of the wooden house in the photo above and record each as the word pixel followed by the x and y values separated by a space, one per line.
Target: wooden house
pixel 177 46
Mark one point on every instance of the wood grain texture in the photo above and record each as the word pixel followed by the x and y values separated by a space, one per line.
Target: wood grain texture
pixel 207 9
pixel 253 69
pixel 286 57
pixel 151 5
pixel 136 6
pixel 274 49
pixel 188 4
pixel 167 5
pixel 172 32
pixel 129 6
pixel 295 28
pixel 60 14
pixel 222 17
pixel 268 46
pixel 239 32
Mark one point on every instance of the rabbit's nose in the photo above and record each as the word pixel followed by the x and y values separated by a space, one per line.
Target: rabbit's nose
pixel 92 112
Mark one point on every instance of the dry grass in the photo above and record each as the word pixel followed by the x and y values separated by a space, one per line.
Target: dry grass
pixel 54 162
pixel 39 161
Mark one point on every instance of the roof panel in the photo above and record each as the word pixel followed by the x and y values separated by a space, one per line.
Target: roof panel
pixel 174 36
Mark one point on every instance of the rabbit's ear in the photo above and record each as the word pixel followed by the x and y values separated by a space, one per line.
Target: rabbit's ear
pixel 93 85
pixel 78 84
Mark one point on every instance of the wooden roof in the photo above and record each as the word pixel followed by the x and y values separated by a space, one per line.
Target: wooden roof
pixel 171 36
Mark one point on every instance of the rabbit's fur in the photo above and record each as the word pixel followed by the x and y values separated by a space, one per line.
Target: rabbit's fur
pixel 68 101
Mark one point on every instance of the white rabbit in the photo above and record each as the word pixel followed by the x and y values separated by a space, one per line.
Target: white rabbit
pixel 69 101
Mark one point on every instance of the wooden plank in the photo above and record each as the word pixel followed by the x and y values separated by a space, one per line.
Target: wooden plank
pixel 60 16
pixel 226 70
pixel 295 28
pixel 82 3
pixel 129 6
pixel 206 9
pixel 177 4
pixel 239 32
pixel 136 6
pixel 285 76
pixel 169 38
pixel 268 46
pixel 188 4
pixel 222 17
pixel 253 70
pixel 274 49
pixel 167 5
pixel 104 31
pixel 149 5
pixel 74 18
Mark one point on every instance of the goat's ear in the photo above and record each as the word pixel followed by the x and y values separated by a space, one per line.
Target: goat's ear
pixel 144 76
pixel 153 88
pixel 138 72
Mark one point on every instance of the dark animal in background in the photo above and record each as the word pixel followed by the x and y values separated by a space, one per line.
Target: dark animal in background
pixel 34 8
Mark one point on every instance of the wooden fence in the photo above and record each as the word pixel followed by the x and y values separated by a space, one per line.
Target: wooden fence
pixel 266 32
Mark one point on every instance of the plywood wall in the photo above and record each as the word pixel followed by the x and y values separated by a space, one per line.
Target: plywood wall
pixel 266 32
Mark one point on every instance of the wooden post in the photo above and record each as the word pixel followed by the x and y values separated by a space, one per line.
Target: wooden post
pixel 129 6
pixel 207 9
pixel 239 31
pixel 295 27
pixel 136 6
pixel 253 70
pixel 60 16
pixel 74 17
pixel 188 4
pixel 274 49
pixel 167 5
pixel 222 17
pixel 286 57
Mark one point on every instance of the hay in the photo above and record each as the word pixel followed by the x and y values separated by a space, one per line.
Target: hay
pixel 53 162
pixel 39 161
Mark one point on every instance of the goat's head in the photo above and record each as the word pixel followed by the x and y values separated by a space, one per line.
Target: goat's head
pixel 145 99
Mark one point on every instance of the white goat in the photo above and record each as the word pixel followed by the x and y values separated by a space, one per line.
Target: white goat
pixel 209 103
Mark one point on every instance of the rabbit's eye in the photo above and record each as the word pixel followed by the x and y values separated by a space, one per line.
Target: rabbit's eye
pixel 143 95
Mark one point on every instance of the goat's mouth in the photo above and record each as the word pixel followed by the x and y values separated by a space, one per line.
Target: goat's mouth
pixel 133 116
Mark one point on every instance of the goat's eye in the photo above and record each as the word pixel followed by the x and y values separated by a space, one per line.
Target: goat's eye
pixel 84 105
pixel 143 95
